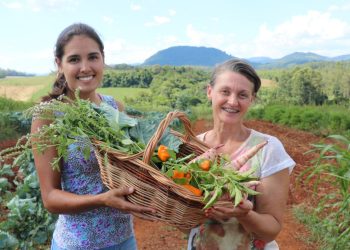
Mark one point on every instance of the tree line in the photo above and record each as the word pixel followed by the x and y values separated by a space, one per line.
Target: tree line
pixel 182 87
pixel 313 83
pixel 11 72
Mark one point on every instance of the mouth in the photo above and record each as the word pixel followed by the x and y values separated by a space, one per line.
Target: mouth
pixel 230 110
pixel 85 78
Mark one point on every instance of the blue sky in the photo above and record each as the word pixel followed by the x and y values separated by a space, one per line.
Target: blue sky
pixel 134 30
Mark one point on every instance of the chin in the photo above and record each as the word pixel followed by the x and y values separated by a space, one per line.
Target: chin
pixel 230 119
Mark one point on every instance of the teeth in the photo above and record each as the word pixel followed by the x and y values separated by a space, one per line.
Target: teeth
pixel 85 78
pixel 229 110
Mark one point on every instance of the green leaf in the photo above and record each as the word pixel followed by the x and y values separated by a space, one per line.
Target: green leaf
pixel 7 241
pixel 180 181
pixel 238 196
pixel 217 194
pixel 86 152
pixel 3 184
pixel 127 142
pixel 172 154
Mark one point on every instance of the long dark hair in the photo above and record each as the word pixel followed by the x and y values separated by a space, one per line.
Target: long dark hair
pixel 239 66
pixel 60 85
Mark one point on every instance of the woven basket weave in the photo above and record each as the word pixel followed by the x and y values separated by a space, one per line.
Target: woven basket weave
pixel 174 204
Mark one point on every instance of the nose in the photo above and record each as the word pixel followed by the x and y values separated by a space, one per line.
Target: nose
pixel 85 66
pixel 232 100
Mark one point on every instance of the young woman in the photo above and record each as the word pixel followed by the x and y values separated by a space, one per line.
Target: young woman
pixel 90 215
pixel 253 224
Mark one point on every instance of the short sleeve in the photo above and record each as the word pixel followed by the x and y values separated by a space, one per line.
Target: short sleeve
pixel 275 158
pixel 110 101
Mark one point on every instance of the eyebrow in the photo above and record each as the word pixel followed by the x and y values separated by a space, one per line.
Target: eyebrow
pixel 93 53
pixel 90 54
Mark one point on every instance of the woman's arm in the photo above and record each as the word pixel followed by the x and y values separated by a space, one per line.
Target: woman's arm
pixel 266 221
pixel 58 201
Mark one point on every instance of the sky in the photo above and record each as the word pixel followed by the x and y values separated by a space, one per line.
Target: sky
pixel 134 30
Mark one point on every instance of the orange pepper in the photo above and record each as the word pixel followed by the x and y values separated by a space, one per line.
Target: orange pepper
pixel 188 176
pixel 163 153
pixel 194 190
pixel 178 174
pixel 205 165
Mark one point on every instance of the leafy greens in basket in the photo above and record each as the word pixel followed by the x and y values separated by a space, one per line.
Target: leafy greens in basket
pixel 81 120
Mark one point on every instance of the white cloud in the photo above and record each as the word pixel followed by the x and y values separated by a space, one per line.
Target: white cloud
pixel 311 32
pixel 158 20
pixel 135 7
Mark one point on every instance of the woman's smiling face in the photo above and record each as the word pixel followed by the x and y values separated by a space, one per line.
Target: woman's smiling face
pixel 231 96
pixel 82 65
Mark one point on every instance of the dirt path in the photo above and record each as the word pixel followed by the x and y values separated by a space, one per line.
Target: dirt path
pixel 159 236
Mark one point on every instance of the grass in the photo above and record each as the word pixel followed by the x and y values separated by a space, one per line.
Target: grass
pixel 43 83
pixel 330 220
pixel 121 93
pixel 46 84
pixel 27 81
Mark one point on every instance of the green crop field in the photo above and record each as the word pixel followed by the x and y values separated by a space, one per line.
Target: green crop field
pixel 27 81
pixel 43 84
pixel 121 93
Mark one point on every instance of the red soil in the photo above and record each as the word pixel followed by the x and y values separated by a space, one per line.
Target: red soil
pixel 158 235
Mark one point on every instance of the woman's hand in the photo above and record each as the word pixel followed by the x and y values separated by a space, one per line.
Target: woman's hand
pixel 116 198
pixel 224 213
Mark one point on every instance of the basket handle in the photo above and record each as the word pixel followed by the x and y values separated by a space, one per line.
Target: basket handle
pixel 161 129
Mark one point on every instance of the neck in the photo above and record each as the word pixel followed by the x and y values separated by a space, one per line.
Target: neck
pixel 225 133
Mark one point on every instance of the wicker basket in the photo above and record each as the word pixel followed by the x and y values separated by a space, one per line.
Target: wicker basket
pixel 174 204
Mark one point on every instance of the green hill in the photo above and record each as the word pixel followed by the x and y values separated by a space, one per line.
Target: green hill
pixel 188 55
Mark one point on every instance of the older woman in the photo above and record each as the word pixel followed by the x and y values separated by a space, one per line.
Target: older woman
pixel 253 224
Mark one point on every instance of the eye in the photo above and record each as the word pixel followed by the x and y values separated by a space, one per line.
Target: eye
pixel 244 95
pixel 93 57
pixel 225 92
pixel 73 59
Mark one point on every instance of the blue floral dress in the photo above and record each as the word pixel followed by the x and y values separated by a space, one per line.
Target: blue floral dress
pixel 97 228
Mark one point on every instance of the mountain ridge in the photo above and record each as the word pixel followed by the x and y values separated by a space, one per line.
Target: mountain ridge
pixel 209 56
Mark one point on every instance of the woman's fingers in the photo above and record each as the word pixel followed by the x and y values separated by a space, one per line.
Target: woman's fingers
pixel 216 214
pixel 122 191
pixel 246 205
pixel 116 198
pixel 130 207
pixel 225 213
